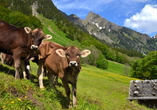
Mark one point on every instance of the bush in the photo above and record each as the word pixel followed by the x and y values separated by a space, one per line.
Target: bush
pixel 91 59
pixel 145 68
pixel 102 62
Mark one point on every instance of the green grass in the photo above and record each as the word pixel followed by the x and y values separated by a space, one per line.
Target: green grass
pixel 57 35
pixel 118 68
pixel 97 90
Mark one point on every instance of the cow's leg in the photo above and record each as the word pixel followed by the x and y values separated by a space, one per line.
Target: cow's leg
pixel 40 75
pixel 51 79
pixel 55 80
pixel 45 72
pixel 67 90
pixel 23 69
pixel 28 69
pixel 26 73
pixel 17 57
pixel 74 90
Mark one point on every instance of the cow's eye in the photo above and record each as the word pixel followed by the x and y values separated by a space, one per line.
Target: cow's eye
pixel 78 55
pixel 67 55
pixel 32 35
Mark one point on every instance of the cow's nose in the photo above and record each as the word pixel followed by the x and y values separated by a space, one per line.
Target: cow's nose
pixel 34 47
pixel 73 63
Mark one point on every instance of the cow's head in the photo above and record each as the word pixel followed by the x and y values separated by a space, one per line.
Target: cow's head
pixel 73 55
pixel 37 36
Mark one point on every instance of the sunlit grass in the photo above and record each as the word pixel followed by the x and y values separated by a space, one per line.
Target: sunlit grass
pixel 97 90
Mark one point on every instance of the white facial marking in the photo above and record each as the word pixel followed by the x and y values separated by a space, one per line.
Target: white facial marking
pixel 73 63
pixel 34 47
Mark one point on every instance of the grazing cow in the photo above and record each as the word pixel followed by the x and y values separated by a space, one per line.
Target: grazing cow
pixel 62 62
pixel 19 42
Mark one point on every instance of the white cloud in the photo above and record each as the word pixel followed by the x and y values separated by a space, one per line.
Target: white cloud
pixel 145 21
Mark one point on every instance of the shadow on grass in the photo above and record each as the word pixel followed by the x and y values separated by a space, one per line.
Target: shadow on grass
pixel 60 97
pixel 34 79
pixel 7 69
pixel 63 100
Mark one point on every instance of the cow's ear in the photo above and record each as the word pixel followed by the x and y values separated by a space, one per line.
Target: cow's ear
pixel 28 30
pixel 60 52
pixel 85 53
pixel 47 37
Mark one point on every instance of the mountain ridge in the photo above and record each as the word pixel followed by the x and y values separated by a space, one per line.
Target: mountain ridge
pixel 113 35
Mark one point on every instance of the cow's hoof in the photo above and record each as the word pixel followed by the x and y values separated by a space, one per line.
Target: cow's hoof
pixel 42 88
pixel 74 106
pixel 17 77
pixel 70 106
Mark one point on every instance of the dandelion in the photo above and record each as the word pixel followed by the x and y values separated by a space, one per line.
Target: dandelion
pixel 19 99
pixel 12 102
pixel 3 106
pixel 11 83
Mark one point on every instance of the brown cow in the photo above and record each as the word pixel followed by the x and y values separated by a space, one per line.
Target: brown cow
pixel 19 42
pixel 63 62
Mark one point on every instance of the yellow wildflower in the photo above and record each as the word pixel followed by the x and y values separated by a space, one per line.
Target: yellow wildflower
pixel 12 102
pixel 19 99
pixel 11 83
pixel 3 106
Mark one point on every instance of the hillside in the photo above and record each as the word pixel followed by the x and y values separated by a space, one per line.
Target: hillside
pixel 114 35
pixel 97 90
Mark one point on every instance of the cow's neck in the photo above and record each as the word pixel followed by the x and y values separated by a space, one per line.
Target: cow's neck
pixel 74 71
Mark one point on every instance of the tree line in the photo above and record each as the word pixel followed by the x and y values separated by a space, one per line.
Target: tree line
pixel 19 19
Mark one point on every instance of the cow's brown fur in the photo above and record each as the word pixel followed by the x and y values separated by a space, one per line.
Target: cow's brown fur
pixel 19 42
pixel 60 61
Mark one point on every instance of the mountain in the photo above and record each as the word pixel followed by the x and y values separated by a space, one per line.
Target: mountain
pixel 114 35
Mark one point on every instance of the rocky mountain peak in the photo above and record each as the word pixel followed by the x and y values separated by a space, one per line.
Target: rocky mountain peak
pixel 114 35
pixel 92 16
pixel 74 18
pixel 101 22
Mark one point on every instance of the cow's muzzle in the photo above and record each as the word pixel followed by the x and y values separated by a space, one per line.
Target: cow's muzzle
pixel 34 47
pixel 73 63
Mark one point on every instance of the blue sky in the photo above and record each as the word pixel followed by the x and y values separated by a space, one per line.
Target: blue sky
pixel 139 15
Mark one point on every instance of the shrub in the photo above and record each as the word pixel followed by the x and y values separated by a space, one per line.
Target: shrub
pixel 91 59
pixel 145 68
pixel 102 62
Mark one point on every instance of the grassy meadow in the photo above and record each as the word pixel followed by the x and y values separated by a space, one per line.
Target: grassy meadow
pixel 97 89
